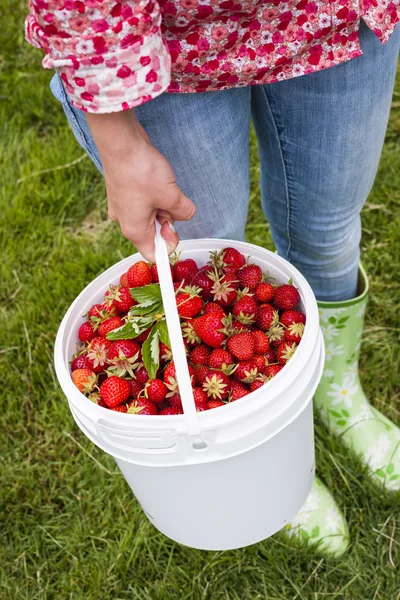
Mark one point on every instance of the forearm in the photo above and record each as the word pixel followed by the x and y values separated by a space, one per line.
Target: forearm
pixel 117 135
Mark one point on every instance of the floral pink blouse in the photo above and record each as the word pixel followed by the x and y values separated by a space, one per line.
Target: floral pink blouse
pixel 116 54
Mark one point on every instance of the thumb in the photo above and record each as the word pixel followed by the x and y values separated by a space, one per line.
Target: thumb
pixel 182 209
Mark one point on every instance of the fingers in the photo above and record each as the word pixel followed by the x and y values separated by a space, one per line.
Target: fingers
pixel 182 209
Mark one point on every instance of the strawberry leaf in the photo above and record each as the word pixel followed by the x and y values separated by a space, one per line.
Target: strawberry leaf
pixel 163 332
pixel 131 329
pixel 147 309
pixel 147 294
pixel 151 352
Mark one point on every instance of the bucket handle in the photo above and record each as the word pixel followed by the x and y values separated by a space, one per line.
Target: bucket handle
pixel 175 336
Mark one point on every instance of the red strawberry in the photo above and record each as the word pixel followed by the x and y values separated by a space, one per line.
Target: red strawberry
pixel 171 410
pixel 208 329
pixel 101 312
pixel 286 297
pixel 224 288
pixel 142 375
pixel 114 391
pixel 124 280
pixel 165 353
pixel 84 379
pixel 184 270
pixel 126 348
pixel 246 371
pixel 136 388
pixel 109 325
pixel 210 307
pixel 217 385
pixel 265 292
pixel 81 362
pixel 270 356
pixel 200 398
pixel 238 326
pixel 272 370
pixel 242 345
pixel 260 363
pixel 294 332
pixel 285 352
pixel 156 390
pixel 175 401
pixel 201 279
pixel 121 408
pixel 122 298
pixel 245 309
pixel 201 372
pixel 139 274
pixel 169 377
pixel 238 390
pixel 143 336
pixel 292 316
pixel 189 303
pixel 260 381
pixel 200 355
pixel 190 336
pixel 214 404
pixel 124 357
pixel 86 332
pixel 231 256
pixel 101 402
pixel 262 342
pixel 266 316
pixel 141 406
pixel 276 334
pixel 97 353
pixel 154 273
pixel 220 359
pixel 249 277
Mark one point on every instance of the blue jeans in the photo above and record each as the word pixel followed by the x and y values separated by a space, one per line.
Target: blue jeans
pixel 320 138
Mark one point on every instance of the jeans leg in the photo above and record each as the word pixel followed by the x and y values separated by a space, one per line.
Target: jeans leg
pixel 205 138
pixel 320 139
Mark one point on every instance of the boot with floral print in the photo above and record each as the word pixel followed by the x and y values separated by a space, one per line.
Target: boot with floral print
pixel 320 522
pixel 340 398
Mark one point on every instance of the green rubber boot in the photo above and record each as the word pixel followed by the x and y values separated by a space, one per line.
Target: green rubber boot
pixel 340 399
pixel 320 522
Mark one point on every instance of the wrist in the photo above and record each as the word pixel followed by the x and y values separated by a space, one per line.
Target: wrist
pixel 116 134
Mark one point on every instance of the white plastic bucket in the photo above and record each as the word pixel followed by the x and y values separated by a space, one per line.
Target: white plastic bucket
pixel 219 479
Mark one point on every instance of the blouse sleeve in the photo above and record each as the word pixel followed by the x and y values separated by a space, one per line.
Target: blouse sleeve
pixel 110 55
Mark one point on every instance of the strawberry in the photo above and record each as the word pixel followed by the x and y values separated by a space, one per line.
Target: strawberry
pixel 201 372
pixel 272 370
pixel 190 336
pixel 126 348
pixel 220 359
pixel 123 280
pixel 267 316
pixel 292 316
pixel 200 398
pixel 294 332
pixel 141 406
pixel 231 256
pixel 265 292
pixel 120 408
pixel 270 356
pixel 285 352
pixel 124 357
pixel 214 404
pixel 241 345
pixel 156 390
pixel 217 385
pixel 276 334
pixel 165 353
pixel 245 309
pixel 238 390
pixel 260 363
pixel 169 377
pixel 170 410
pixel 81 362
pixel 260 381
pixel 97 353
pixel 201 279
pixel 121 298
pixel 262 342
pixel 84 379
pixel 175 401
pixel 224 288
pixel 99 312
pixel 210 307
pixel 189 303
pixel 142 375
pixel 143 336
pixel 136 388
pixel 249 277
pixel 286 297
pixel 200 355
pixel 109 325
pixel 246 371
pixel 139 274
pixel 208 328
pixel 238 326
pixel 86 332
pixel 154 273
pixel 184 270
pixel 114 391
pixel 101 402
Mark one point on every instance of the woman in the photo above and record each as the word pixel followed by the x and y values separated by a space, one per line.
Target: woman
pixel 316 78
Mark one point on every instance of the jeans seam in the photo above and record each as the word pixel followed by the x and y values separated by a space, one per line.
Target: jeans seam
pixel 281 154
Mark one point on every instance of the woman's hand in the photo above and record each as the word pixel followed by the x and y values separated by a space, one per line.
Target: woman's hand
pixel 140 182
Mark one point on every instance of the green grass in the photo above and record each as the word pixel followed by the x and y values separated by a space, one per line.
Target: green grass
pixel 70 527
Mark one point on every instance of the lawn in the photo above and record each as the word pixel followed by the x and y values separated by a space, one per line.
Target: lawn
pixel 70 527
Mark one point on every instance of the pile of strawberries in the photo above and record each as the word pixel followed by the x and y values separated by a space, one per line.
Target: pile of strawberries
pixel 240 328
